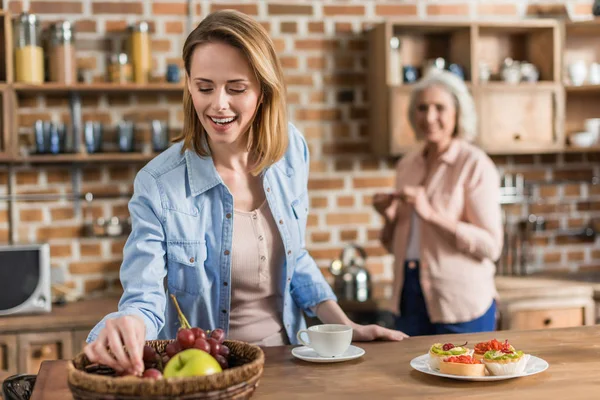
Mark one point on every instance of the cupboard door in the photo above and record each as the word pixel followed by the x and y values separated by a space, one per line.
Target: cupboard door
pixel 8 356
pixel 518 119
pixel 550 318
pixel 79 338
pixel 403 137
pixel 34 348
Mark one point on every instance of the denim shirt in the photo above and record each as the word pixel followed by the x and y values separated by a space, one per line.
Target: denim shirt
pixel 182 216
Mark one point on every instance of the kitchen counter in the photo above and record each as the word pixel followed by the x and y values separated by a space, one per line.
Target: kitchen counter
pixel 384 371
pixel 510 289
pixel 83 313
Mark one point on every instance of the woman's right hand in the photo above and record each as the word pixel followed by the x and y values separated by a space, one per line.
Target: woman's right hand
pixel 127 332
pixel 382 203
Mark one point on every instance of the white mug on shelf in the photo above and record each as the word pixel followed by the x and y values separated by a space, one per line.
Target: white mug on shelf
pixel 578 72
pixel 328 340
pixel 594 74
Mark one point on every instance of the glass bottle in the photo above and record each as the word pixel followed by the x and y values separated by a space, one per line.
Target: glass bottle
pixel 62 62
pixel 140 52
pixel 29 54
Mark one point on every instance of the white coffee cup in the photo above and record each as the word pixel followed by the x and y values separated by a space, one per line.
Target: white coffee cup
pixel 328 340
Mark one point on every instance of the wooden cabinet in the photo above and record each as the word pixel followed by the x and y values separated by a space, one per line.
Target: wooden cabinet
pixel 533 303
pixel 548 318
pixel 519 119
pixel 524 117
pixel 8 356
pixel 34 348
pixel 26 341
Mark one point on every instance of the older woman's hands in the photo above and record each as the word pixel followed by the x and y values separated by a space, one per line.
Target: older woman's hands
pixel 416 196
pixel 382 202
pixel 367 333
pixel 124 332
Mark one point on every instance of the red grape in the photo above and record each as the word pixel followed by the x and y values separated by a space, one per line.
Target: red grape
pixel 172 348
pixel 215 347
pixel 149 354
pixel 165 359
pixel 218 334
pixel 152 373
pixel 224 351
pixel 199 333
pixel 222 361
pixel 202 344
pixel 186 338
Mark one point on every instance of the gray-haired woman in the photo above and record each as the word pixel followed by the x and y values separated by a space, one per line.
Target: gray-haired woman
pixel 443 222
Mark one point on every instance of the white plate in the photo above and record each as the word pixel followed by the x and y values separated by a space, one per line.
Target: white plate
pixel 308 354
pixel 535 365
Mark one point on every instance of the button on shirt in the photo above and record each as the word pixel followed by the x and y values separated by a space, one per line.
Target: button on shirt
pixel 181 243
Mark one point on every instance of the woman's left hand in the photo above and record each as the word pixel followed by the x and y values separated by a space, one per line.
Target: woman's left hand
pixel 367 333
pixel 416 196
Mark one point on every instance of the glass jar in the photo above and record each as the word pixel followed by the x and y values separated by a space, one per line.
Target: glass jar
pixel 119 69
pixel 140 52
pixel 61 61
pixel 29 55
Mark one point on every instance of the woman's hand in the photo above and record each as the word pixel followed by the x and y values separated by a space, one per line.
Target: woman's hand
pixel 382 203
pixel 127 332
pixel 416 196
pixel 367 333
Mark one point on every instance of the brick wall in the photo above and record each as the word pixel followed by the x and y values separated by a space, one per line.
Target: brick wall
pixel 322 47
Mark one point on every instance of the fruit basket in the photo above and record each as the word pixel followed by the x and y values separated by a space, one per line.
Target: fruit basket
pixel 236 382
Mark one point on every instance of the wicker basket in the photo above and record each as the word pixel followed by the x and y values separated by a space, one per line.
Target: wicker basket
pixel 236 382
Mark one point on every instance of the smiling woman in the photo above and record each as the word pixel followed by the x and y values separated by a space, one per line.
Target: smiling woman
pixel 222 213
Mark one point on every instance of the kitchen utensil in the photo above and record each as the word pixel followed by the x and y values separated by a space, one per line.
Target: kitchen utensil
pixel 93 132
pixel 160 135
pixel 578 72
pixel 125 135
pixel 582 139
pixel 352 280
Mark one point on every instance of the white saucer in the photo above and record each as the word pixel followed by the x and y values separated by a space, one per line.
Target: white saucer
pixel 308 354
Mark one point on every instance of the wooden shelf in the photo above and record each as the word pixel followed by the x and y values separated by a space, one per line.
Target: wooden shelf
pixel 573 149
pixel 582 89
pixel 97 87
pixel 83 158
pixel 519 86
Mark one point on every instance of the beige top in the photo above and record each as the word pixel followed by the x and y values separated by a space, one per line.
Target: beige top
pixel 256 268
pixel 456 270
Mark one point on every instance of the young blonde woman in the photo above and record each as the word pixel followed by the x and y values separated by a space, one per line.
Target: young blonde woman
pixel 443 224
pixel 222 214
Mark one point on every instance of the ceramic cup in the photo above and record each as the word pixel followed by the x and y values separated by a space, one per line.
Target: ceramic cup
pixel 328 340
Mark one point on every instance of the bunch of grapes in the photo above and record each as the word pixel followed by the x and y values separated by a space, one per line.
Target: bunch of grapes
pixel 187 338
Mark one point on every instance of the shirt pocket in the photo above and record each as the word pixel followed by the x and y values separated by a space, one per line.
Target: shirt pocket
pixel 185 260
pixel 300 212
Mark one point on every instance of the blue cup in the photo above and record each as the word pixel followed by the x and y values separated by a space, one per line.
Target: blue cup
pixel 410 74
pixel 173 73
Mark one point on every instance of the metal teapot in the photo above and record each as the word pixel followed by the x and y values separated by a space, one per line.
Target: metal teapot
pixel 352 280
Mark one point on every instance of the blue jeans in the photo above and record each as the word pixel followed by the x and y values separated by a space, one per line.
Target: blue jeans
pixel 414 319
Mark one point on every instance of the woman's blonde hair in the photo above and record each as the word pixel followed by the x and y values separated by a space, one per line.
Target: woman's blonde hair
pixel 267 137
pixel 466 115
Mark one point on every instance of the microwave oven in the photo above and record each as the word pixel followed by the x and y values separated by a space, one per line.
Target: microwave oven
pixel 25 286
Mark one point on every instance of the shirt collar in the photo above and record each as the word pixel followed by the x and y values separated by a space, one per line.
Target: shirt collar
pixel 202 174
pixel 450 155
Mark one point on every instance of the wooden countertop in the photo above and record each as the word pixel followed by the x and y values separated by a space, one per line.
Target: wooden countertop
pixel 83 313
pixel 510 289
pixel 384 371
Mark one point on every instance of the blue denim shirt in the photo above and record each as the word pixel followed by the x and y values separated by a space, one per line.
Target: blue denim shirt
pixel 182 216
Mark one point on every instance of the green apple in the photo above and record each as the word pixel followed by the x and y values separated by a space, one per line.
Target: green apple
pixel 191 362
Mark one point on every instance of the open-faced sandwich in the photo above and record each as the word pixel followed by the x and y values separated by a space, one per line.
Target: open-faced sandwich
pixel 439 351
pixel 505 362
pixel 484 347
pixel 462 365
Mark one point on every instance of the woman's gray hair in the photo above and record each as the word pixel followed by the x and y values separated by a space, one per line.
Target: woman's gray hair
pixel 466 115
